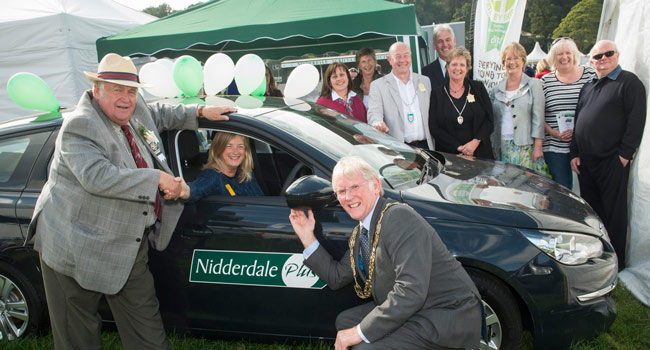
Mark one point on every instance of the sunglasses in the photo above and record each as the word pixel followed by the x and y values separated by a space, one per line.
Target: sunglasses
pixel 600 55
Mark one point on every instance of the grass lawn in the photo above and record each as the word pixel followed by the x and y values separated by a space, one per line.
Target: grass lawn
pixel 630 331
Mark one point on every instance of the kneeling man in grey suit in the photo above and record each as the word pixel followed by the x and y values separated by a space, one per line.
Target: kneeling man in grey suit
pixel 101 209
pixel 421 297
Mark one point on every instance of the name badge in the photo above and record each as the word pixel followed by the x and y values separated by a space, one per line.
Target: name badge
pixel 410 117
pixel 421 87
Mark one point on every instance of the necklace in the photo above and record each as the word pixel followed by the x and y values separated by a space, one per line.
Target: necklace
pixel 366 291
pixel 462 87
pixel 515 92
pixel 460 113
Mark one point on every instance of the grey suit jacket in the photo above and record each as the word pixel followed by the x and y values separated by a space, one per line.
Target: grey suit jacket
pixel 416 282
pixel 528 107
pixel 92 212
pixel 385 104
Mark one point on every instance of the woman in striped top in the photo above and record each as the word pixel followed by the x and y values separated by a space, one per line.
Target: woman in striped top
pixel 561 89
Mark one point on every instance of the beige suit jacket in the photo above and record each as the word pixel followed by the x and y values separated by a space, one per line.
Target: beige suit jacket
pixel 385 104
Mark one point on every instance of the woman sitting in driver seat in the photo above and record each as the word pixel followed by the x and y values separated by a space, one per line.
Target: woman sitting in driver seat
pixel 228 172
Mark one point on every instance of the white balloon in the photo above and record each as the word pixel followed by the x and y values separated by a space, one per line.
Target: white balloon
pixel 249 73
pixel 169 64
pixel 297 104
pixel 302 80
pixel 160 76
pixel 218 72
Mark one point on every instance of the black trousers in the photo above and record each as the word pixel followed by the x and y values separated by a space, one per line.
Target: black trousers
pixel 603 184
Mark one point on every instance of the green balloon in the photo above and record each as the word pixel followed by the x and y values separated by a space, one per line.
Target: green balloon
pixel 29 91
pixel 47 116
pixel 192 101
pixel 260 89
pixel 188 75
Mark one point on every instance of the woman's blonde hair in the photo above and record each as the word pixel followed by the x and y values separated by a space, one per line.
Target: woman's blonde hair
pixel 517 49
pixel 460 52
pixel 566 43
pixel 219 144
pixel 542 65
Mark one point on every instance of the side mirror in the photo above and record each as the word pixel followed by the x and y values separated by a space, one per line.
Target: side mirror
pixel 309 192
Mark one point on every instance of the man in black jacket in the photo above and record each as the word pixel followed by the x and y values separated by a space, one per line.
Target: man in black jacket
pixel 444 41
pixel 609 121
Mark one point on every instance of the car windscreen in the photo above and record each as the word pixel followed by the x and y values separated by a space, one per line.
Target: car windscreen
pixel 337 136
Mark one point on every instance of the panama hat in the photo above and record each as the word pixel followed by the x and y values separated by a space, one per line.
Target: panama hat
pixel 116 69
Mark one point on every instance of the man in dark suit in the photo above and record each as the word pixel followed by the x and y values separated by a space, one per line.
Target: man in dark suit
pixel 101 209
pixel 421 297
pixel 444 41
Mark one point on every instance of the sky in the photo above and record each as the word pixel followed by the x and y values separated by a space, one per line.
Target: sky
pixel 142 4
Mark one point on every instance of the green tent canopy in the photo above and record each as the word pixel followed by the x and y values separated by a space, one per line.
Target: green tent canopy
pixel 272 29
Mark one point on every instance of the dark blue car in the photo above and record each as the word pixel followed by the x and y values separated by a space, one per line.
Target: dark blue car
pixel 538 253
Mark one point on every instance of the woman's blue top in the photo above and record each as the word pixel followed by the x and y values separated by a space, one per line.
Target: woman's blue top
pixel 211 182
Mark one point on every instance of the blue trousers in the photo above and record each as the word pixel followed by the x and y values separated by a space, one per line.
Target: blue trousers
pixel 559 165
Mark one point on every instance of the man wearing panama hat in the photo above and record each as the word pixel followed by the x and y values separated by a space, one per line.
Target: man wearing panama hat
pixel 110 194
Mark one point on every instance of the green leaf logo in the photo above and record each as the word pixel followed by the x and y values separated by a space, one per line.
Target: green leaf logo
pixel 499 15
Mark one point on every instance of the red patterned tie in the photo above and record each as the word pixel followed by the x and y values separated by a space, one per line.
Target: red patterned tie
pixel 141 163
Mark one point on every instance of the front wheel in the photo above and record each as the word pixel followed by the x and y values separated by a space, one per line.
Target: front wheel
pixel 502 315
pixel 20 307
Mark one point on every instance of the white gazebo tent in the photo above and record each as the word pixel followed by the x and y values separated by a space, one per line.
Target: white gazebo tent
pixel 536 55
pixel 55 39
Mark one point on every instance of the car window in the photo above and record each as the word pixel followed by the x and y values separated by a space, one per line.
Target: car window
pixel 337 136
pixel 10 153
pixel 17 155
pixel 274 168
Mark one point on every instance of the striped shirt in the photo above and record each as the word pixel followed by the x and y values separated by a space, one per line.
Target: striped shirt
pixel 561 97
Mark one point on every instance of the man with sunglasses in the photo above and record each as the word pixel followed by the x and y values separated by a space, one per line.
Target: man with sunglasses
pixel 419 296
pixel 609 121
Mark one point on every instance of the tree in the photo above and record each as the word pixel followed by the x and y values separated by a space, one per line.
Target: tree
pixel 464 13
pixel 581 24
pixel 192 5
pixel 544 16
pixel 429 11
pixel 163 10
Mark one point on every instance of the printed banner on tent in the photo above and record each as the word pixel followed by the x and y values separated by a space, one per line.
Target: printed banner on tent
pixel 497 22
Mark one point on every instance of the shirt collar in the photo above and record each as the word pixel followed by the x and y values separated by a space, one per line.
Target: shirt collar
pixel 399 81
pixel 336 96
pixel 612 75
pixel 366 221
pixel 443 65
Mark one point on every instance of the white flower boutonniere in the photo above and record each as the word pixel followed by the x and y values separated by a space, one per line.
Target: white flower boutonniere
pixel 152 142
pixel 147 134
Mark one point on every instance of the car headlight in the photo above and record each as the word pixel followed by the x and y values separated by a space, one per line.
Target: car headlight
pixel 567 248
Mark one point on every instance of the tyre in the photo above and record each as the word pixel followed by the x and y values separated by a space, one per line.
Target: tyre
pixel 502 315
pixel 20 307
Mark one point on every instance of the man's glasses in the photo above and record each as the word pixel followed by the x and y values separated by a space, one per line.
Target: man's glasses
pixel 351 190
pixel 600 55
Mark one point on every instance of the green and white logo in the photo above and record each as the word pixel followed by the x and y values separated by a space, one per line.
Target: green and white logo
pixel 499 15
pixel 252 268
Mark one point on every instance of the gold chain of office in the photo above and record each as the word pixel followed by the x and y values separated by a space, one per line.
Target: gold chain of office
pixel 367 288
